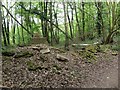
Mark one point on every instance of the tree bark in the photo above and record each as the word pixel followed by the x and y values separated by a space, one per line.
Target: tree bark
pixel 77 20
pixel 83 20
pixel 51 26
pixel 71 33
pixel 66 27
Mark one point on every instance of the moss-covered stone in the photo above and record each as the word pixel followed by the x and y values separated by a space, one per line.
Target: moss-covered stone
pixel 8 52
pixel 87 56
pixel 23 54
pixel 33 67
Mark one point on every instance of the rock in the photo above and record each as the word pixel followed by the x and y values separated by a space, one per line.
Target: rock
pixel 45 51
pixel 23 54
pixel 36 48
pixel 115 54
pixel 62 58
pixel 80 45
pixel 8 51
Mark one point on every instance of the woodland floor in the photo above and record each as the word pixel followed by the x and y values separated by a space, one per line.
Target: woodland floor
pixel 43 69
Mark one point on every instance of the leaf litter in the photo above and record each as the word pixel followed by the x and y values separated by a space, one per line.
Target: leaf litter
pixel 45 66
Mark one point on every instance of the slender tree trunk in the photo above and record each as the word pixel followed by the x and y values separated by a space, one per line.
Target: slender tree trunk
pixel 4 37
pixel 22 24
pixel 83 20
pixel 42 20
pixel 71 33
pixel 4 32
pixel 77 20
pixel 99 17
pixel 18 32
pixel 51 26
pixel 1 42
pixel 72 19
pixel 45 22
pixel 113 20
pixel 100 26
pixel 0 33
pixel 118 24
pixel 7 29
pixel 14 26
pixel 56 22
pixel 30 19
pixel 7 32
pixel 113 16
pixel 66 27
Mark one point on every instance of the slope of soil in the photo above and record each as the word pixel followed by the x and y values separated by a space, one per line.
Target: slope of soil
pixel 45 70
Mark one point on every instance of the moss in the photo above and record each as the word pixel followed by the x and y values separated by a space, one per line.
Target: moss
pixel 88 56
pixel 116 47
pixel 33 67
pixel 8 52
pixel 23 54
pixel 91 48
pixel 105 48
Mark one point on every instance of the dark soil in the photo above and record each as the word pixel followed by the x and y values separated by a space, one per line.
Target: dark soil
pixel 44 70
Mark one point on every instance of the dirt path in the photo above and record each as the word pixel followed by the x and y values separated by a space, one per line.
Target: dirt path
pixel 103 74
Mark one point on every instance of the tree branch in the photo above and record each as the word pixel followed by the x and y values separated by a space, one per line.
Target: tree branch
pixel 17 20
pixel 41 16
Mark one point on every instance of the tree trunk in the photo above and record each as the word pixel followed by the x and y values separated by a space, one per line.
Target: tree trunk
pixel 45 22
pixel 99 24
pixel 14 26
pixel 0 28
pixel 22 24
pixel 66 27
pixel 71 33
pixel 4 32
pixel 51 26
pixel 7 32
pixel 77 20
pixel 56 22
pixel 4 37
pixel 83 20
pixel 99 18
pixel 18 32
pixel 72 18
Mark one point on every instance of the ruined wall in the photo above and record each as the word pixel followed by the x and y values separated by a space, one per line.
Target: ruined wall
pixel 37 39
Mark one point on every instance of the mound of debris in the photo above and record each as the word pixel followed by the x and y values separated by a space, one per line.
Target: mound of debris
pixel 41 66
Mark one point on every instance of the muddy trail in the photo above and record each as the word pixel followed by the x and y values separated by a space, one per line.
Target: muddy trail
pixel 44 66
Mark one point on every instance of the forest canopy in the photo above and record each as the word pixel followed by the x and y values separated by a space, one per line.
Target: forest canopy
pixel 62 23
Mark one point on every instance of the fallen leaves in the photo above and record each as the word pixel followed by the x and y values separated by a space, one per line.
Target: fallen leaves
pixel 48 67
